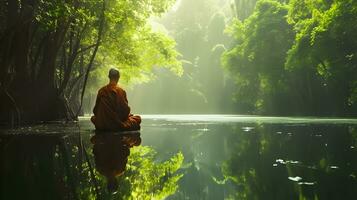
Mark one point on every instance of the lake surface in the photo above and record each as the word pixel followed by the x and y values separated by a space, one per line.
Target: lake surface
pixel 185 157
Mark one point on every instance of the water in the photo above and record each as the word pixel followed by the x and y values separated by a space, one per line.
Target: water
pixel 192 157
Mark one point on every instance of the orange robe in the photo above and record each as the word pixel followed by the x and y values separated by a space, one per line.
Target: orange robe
pixel 112 112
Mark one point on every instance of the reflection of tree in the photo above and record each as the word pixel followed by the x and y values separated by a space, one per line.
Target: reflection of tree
pixel 144 178
pixel 48 162
pixel 247 168
pixel 38 164
pixel 318 160
pixel 151 180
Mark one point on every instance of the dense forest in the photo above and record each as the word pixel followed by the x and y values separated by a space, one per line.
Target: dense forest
pixel 295 57
pixel 272 57
pixel 279 58
pixel 49 49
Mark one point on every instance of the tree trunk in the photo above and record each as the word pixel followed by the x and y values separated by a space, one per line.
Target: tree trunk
pixel 90 65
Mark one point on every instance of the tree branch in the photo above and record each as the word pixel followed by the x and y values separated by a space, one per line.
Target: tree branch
pixel 90 65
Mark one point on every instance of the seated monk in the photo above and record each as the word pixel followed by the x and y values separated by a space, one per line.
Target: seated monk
pixel 111 110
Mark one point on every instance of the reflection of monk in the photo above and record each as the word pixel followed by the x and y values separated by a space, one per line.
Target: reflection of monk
pixel 111 110
pixel 111 155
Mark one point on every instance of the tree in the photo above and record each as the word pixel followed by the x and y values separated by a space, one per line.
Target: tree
pixel 323 52
pixel 296 63
pixel 257 60
pixel 49 48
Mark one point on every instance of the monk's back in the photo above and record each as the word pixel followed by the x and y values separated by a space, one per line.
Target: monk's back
pixel 111 110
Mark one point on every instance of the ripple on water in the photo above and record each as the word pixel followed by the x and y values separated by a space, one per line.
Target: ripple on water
pixel 307 183
pixel 247 128
pixel 295 179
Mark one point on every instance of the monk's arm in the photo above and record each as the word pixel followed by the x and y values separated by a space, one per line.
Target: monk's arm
pixel 127 105
pixel 126 100
pixel 125 109
pixel 96 104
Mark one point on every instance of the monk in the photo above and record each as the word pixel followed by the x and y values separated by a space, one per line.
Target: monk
pixel 111 110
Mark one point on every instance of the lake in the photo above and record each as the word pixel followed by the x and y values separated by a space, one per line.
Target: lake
pixel 184 157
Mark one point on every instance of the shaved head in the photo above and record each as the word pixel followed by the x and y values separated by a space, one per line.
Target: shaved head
pixel 114 74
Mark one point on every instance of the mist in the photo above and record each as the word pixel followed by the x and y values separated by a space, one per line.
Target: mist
pixel 198 29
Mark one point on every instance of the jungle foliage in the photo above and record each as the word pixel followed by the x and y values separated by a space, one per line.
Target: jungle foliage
pixel 295 57
pixel 49 49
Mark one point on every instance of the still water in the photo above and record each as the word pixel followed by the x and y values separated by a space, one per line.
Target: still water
pixel 184 157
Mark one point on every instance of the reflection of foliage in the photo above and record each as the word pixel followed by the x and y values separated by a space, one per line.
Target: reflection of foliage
pixel 278 164
pixel 152 180
pixel 245 168
pixel 45 163
pixel 144 178
pixel 41 162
